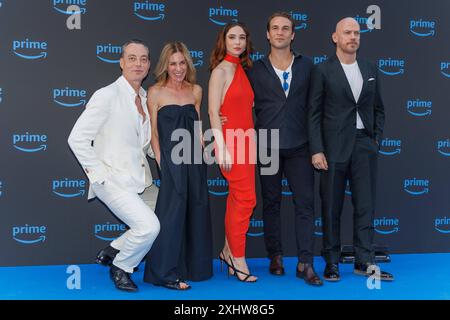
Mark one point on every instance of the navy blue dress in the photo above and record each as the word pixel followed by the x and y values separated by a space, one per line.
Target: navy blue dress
pixel 183 248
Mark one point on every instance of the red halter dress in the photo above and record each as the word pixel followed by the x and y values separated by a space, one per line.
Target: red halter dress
pixel 239 136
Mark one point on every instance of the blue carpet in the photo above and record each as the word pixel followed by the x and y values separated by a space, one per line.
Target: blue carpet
pixel 417 276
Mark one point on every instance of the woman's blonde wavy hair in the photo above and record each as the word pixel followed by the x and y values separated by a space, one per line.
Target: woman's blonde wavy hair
pixel 163 63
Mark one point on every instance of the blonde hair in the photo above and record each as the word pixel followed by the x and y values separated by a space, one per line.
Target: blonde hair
pixel 163 63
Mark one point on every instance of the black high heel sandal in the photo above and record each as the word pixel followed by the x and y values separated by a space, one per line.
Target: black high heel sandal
pixel 175 285
pixel 236 271
pixel 222 261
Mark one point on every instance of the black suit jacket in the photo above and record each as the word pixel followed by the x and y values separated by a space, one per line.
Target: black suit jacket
pixel 332 109
pixel 276 111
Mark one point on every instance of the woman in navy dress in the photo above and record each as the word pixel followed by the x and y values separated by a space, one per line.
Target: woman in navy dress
pixel 183 249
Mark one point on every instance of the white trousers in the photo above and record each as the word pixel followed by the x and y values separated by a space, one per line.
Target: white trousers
pixel 137 211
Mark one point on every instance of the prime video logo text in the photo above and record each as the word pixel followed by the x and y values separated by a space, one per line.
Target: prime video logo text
pixel 390 147
pixel 392 67
pixel 319 59
pixel 442 225
pixel 59 95
pixel 443 147
pixel 422 28
pixel 218 187
pixel 386 225
pixel 67 188
pixel 445 66
pixel 62 5
pixel 301 20
pixel 221 16
pixel 29 234
pixel 29 49
pixel 157 182
pixel 256 224
pixel 109 231
pixel 416 186
pixel 257 56
pixel 197 57
pixel 113 53
pixel 348 189
pixel 148 11
pixel 419 108
pixel 318 227
pixel 39 142
pixel 285 188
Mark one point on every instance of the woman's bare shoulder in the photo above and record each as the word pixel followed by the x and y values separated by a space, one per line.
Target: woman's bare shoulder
pixel 196 89
pixel 221 72
pixel 155 89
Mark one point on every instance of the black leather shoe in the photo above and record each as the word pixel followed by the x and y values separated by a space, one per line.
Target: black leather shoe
pixel 362 270
pixel 106 256
pixel 276 266
pixel 306 272
pixel 331 272
pixel 122 279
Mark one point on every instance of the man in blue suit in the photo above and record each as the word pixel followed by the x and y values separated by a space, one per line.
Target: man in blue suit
pixel 280 82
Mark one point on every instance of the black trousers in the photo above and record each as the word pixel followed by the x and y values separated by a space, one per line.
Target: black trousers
pixel 361 171
pixel 296 165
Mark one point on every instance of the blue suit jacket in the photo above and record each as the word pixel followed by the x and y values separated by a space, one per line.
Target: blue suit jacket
pixel 276 111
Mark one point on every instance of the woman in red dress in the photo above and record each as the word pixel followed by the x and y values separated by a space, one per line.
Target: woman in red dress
pixel 231 95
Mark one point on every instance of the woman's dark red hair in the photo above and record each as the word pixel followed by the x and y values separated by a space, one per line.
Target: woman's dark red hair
pixel 220 49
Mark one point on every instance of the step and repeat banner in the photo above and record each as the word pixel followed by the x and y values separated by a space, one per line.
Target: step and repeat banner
pixel 55 53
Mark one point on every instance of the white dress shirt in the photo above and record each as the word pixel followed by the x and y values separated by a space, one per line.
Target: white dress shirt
pixel 355 80
pixel 280 75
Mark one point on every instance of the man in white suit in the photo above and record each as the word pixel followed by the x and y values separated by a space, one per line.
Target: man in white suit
pixel 110 140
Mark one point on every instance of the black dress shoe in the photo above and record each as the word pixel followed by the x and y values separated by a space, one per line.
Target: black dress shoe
pixel 106 256
pixel 276 266
pixel 362 270
pixel 122 279
pixel 331 272
pixel 306 272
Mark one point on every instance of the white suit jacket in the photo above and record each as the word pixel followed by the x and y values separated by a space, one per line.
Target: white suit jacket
pixel 110 140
